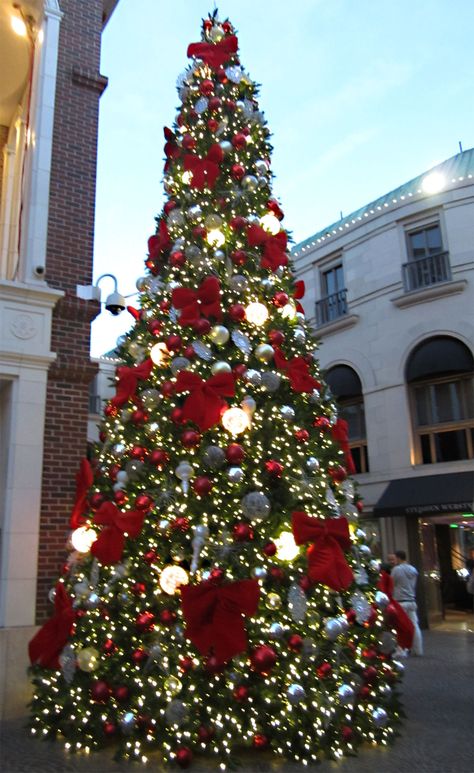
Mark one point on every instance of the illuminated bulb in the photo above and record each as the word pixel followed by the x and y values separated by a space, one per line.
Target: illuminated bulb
pixel 159 353
pixel 215 238
pixel 19 26
pixel 256 313
pixel 235 421
pixel 172 577
pixel 288 311
pixel 287 549
pixel 187 177
pixel 270 223
pixel 433 183
pixel 82 539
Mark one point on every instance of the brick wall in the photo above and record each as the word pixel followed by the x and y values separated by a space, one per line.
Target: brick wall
pixel 3 139
pixel 69 262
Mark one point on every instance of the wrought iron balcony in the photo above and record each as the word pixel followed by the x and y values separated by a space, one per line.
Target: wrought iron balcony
pixel 331 307
pixel 425 272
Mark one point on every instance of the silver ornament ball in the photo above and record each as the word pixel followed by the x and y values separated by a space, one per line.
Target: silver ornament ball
pixel 295 694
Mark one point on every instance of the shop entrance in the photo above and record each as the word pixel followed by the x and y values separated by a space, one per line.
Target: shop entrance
pixel 447 551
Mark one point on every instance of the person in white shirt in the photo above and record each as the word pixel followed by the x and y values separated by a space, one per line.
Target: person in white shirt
pixel 405 577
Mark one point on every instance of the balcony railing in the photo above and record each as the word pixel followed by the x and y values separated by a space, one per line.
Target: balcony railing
pixel 424 272
pixel 95 403
pixel 331 307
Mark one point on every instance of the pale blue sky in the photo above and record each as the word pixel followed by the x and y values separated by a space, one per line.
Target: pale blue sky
pixel 360 96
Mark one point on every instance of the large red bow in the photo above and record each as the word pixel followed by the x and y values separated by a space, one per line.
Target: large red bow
pixel 128 379
pixel 398 617
pixel 194 303
pixel 109 545
pixel 214 54
pixel 84 479
pixel 340 433
pixel 205 171
pixel 45 647
pixel 205 405
pixel 297 370
pixel 326 560
pixel 159 242
pixel 214 616
pixel 274 247
pixel 299 293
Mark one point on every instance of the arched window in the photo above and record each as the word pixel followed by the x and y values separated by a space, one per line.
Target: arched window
pixel 440 375
pixel 345 385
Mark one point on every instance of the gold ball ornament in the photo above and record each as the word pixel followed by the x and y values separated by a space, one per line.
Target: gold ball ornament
pixel 219 335
pixel 88 659
pixel 273 601
pixel 264 352
pixel 172 685
pixel 220 367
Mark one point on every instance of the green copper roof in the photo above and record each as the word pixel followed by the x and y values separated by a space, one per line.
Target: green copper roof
pixel 453 170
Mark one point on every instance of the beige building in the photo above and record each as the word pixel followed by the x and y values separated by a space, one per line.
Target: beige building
pixel 390 292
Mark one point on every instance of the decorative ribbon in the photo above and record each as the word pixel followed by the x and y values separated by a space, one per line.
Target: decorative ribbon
pixel 214 616
pixel 128 379
pixel 297 370
pixel 205 171
pixel 214 54
pixel 299 292
pixel 46 646
pixel 340 433
pixel 401 622
pixel 84 478
pixel 159 242
pixel 193 303
pixel 136 313
pixel 274 247
pixel 326 560
pixel 205 405
pixel 109 545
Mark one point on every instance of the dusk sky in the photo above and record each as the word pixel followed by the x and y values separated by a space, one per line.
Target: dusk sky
pixel 360 97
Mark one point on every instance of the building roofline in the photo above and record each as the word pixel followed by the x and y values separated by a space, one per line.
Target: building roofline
pixel 455 170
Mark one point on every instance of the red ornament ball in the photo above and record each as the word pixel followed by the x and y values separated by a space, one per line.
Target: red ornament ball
pixel 190 438
pixel 176 416
pixel 109 647
pixel 231 105
pixel 154 326
pixel 158 457
pixel 280 299
pixel 360 505
pixel 216 574
pixel 302 435
pixel 186 664
pixel 239 370
pixel 120 497
pixel 237 312
pixel 114 469
pixel 260 741
pixel 234 453
pixel 202 485
pixel 110 728
pixel 138 452
pixel 169 206
pixel 276 337
pixel 110 410
pixel 237 171
pixel 205 733
pixel 189 352
pixel 364 692
pixel 338 473
pixel 121 693
pixel 274 468
pixel 324 670
pixel 100 691
pixel 189 143
pixel 183 756
pixel 262 659
pixel 214 104
pixel 295 642
pixel 305 583
pixel 238 257
pixel 177 259
pixel 96 501
pixel 167 388
pixel 145 621
pixel 202 326
pixel 180 524
pixel 239 141
pixel 270 549
pixel 351 616
pixel 167 616
pixel 199 231
pixel 369 674
pixel 164 305
pixel 139 416
pixel 322 422
pixel 346 733
pixel 206 87
pixel 241 693
pixel 143 502
pixel 212 124
pixel 238 222
pixel 242 532
pixel 138 588
pixel 174 343
pixel 276 574
pixel 139 655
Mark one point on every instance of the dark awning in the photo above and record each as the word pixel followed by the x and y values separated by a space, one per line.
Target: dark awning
pixel 428 495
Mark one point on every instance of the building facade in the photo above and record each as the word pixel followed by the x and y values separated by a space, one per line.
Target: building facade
pixel 390 292
pixel 50 85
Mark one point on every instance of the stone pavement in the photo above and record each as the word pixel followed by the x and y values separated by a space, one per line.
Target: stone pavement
pixel 438 735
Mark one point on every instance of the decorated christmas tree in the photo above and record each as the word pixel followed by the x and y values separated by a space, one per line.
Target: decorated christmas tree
pixel 219 593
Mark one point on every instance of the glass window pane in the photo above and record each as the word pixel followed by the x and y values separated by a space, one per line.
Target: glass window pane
pixel 366 458
pixel 451 446
pixel 447 404
pixel 425 449
pixel 433 238
pixel 356 458
pixel 467 387
pixel 354 415
pixel 417 244
pixel 422 406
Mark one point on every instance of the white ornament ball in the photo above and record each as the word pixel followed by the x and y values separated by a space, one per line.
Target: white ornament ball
pixel 381 599
pixel 254 377
pixel 380 717
pixel 235 474
pixel 256 506
pixel 220 367
pixel 219 335
pixel 345 693
pixel 332 629
pixel 312 464
pixel 287 412
pixel 295 694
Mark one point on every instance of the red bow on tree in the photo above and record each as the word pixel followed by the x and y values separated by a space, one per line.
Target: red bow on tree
pixel 398 618
pixel 159 242
pixel 299 293
pixel 340 433
pixel 46 646
pixel 194 303
pixel 214 54
pixel 297 370
pixel 326 560
pixel 274 247
pixel 109 545
pixel 205 405
pixel 214 616
pixel 84 479
pixel 128 379
pixel 205 171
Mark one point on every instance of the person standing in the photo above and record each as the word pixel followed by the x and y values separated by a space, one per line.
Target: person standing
pixel 405 577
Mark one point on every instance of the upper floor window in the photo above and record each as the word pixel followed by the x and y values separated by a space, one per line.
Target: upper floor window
pixel 440 373
pixel 345 385
pixel 333 302
pixel 427 263
pixel 424 242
